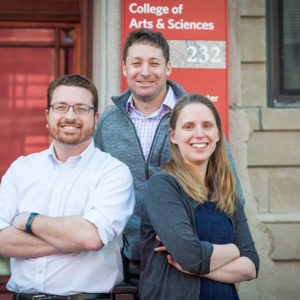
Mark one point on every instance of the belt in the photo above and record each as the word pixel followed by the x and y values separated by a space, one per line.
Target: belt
pixel 82 296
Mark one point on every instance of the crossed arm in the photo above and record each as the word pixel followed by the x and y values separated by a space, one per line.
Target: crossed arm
pixel 237 270
pixel 18 243
pixel 109 206
pixel 234 270
pixel 51 236
pixel 225 263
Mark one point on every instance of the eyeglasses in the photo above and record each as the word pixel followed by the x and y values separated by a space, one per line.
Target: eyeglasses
pixel 79 109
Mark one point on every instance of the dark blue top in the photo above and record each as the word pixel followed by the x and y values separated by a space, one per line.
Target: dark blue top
pixel 215 227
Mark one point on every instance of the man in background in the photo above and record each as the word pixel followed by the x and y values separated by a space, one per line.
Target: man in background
pixel 135 130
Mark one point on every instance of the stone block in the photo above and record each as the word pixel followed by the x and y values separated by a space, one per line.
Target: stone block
pixel 274 149
pixel 254 85
pixel 284 194
pixel 280 119
pixel 287 278
pixel 259 183
pixel 253 39
pixel 286 241
pixel 252 7
pixel 254 119
pixel 280 198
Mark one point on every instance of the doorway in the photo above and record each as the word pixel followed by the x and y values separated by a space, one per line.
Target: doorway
pixel 33 53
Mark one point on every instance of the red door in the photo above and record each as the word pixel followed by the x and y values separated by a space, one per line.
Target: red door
pixel 30 58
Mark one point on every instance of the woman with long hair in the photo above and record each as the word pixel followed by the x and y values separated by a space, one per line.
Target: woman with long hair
pixel 195 239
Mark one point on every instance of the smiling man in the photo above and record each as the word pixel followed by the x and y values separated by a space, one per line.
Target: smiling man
pixel 63 209
pixel 135 130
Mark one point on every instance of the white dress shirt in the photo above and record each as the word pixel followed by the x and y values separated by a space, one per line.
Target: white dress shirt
pixel 93 185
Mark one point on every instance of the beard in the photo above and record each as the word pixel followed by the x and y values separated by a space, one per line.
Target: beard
pixel 77 136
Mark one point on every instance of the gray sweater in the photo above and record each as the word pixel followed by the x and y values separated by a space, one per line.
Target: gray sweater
pixel 168 212
pixel 116 135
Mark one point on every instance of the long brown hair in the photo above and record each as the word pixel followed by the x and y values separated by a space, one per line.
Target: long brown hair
pixel 219 179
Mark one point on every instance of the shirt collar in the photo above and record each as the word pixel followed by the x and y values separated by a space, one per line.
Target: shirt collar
pixel 168 102
pixel 85 155
pixel 170 99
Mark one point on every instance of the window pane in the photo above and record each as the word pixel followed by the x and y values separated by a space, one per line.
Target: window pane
pixel 23 92
pixel 291 46
pixel 26 35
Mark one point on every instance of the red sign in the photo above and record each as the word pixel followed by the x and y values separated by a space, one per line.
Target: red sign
pixel 197 34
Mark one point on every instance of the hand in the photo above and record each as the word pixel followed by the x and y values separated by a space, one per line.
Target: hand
pixel 171 260
pixel 161 248
pixel 176 265
pixel 20 221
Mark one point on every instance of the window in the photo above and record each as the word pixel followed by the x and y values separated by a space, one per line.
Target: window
pixel 283 25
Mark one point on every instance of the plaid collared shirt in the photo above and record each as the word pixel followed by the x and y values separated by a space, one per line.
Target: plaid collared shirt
pixel 146 126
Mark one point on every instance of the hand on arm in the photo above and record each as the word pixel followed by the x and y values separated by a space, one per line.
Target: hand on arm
pixel 71 234
pixel 243 267
pixel 221 256
pixel 240 269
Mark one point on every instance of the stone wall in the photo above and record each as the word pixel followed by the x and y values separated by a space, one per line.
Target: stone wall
pixel 273 155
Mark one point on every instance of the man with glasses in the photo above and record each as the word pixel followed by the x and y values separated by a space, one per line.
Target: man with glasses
pixel 63 210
